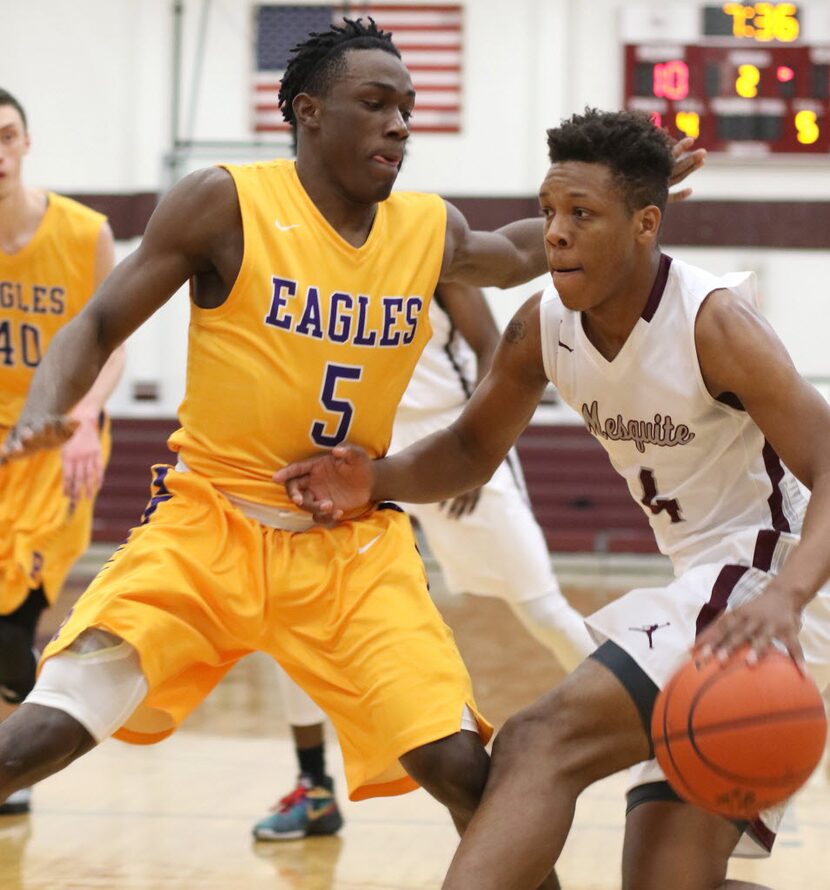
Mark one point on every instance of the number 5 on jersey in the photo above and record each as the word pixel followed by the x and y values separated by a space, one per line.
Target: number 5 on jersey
pixel 341 407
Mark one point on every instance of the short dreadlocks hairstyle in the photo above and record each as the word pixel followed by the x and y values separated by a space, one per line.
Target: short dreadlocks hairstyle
pixel 318 61
pixel 6 98
pixel 638 154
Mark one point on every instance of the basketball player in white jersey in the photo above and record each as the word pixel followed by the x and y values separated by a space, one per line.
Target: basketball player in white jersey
pixel 701 410
pixel 486 541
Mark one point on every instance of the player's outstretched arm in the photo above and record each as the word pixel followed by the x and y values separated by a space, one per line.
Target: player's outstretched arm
pixel 739 353
pixel 511 255
pixel 182 236
pixel 446 463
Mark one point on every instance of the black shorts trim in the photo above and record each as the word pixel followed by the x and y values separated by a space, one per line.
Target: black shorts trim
pixel 642 689
pixel 650 792
pixel 662 791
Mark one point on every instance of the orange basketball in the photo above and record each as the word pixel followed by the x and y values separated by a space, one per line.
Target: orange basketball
pixel 736 739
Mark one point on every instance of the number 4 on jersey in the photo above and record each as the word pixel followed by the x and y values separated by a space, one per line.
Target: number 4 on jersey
pixel 655 504
pixel 25 350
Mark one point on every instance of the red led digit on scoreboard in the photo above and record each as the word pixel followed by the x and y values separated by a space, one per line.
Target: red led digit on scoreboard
pixel 671 80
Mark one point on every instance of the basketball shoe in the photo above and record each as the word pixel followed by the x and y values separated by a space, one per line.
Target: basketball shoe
pixel 308 810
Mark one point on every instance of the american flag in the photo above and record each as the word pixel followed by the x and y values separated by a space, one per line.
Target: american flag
pixel 428 37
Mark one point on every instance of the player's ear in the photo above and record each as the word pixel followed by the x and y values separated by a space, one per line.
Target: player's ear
pixel 648 223
pixel 306 110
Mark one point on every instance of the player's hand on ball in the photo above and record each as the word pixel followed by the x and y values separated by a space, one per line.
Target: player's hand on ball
pixel 773 616
pixel 330 485
pixel 27 437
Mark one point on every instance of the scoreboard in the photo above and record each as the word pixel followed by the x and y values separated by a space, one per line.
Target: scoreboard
pixel 742 78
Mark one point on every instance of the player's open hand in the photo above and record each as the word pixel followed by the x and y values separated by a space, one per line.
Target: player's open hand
pixel 686 161
pixel 28 437
pixel 330 485
pixel 82 461
pixel 772 616
pixel 463 505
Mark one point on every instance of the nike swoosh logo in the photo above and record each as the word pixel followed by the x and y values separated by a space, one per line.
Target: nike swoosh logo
pixel 313 815
pixel 371 543
pixel 283 228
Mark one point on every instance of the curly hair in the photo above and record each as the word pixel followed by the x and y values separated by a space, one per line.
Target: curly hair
pixel 638 154
pixel 6 98
pixel 317 61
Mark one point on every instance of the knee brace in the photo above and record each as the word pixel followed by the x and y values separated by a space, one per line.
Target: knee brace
pixel 97 681
pixel 17 663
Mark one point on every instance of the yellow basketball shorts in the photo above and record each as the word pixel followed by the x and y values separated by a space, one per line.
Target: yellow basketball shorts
pixel 42 532
pixel 345 611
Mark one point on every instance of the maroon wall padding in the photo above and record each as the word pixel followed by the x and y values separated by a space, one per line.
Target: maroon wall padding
pixel 777 224
pixel 128 213
pixel 580 502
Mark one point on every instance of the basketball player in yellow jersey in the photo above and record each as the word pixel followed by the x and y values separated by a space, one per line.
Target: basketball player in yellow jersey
pixel 53 253
pixel 310 291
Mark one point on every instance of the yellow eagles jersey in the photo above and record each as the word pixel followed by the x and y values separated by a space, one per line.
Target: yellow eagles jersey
pixel 317 339
pixel 42 287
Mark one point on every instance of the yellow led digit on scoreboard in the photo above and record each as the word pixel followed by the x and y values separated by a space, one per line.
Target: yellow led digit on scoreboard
pixel 688 122
pixel 763 22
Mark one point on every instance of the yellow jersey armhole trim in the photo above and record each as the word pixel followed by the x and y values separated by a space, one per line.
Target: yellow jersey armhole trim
pixel 201 316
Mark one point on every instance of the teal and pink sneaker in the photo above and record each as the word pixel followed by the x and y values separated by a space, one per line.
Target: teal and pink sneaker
pixel 309 810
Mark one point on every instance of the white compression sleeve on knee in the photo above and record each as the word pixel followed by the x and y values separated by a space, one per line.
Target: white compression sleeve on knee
pixel 300 710
pixel 100 688
pixel 558 627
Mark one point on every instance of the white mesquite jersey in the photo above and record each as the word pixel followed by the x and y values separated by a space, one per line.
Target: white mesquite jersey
pixel 441 384
pixel 701 469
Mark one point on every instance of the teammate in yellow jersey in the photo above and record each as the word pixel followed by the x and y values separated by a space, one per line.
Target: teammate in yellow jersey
pixel 53 253
pixel 486 542
pixel 310 289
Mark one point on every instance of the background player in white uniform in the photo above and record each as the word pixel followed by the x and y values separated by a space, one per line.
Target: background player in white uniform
pixel 486 541
pixel 702 411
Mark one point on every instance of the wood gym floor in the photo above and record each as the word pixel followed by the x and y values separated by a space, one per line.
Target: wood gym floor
pixel 177 816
